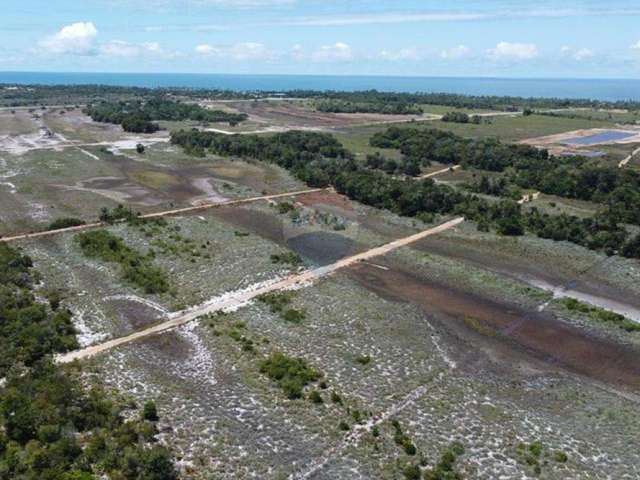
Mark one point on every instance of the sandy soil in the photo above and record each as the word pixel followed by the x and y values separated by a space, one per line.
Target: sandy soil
pixel 234 300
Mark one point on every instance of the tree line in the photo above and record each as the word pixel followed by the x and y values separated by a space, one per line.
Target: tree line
pixel 53 426
pixel 523 167
pixel 320 160
pixel 385 108
pixel 139 116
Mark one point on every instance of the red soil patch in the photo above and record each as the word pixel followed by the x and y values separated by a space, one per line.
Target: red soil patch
pixel 326 198
pixel 537 334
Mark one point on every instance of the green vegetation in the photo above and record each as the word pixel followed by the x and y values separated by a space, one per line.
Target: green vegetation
pixel 445 468
pixel 138 116
pixel 65 222
pixel 291 374
pixel 320 160
pixel 455 100
pixel 403 440
pixel 287 258
pixel 136 268
pixel 52 427
pixel 601 315
pixel 29 330
pixel 385 108
pixel 460 117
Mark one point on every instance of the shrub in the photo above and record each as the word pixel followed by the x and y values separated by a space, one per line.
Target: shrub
pixel 149 411
pixel 291 374
pixel 294 316
pixel 65 222
pixel 411 472
pixel 136 268
pixel 315 397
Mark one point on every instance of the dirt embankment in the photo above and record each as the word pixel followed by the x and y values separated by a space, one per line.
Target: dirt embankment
pixel 515 332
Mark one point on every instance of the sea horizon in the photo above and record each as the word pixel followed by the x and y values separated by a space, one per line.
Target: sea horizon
pixel 604 89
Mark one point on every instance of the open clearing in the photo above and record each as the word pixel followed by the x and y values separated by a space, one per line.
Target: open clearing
pixel 456 334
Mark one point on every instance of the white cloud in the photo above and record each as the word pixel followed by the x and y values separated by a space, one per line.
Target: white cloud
pixel 240 51
pixel 411 53
pixel 338 52
pixel 117 48
pixel 513 51
pixel 578 54
pixel 77 39
pixel 460 51
pixel 635 46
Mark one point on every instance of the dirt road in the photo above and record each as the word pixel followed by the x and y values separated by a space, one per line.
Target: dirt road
pixel 165 213
pixel 439 172
pixel 628 159
pixel 237 299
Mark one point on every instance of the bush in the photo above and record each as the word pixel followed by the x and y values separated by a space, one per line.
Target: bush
pixel 136 268
pixel 411 472
pixel 291 374
pixel 294 316
pixel 315 397
pixel 65 222
pixel 149 411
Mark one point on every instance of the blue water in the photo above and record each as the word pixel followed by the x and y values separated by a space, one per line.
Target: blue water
pixel 608 136
pixel 562 88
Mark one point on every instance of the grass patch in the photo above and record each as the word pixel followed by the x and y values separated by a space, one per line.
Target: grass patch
pixel 136 268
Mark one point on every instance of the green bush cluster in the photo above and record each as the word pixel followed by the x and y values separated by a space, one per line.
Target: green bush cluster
pixel 137 269
pixel 602 315
pixel 374 106
pixel 291 374
pixel 287 258
pixel 55 429
pixel 138 116
pixel 445 468
pixel 28 329
pixel 65 222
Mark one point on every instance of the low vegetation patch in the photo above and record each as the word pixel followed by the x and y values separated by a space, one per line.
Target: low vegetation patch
pixel 291 374
pixel 288 258
pixel 137 269
pixel 65 222
pixel 601 315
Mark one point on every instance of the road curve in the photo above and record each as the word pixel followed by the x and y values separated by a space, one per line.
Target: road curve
pixel 239 298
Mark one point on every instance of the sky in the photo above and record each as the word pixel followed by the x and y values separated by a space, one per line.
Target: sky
pixel 549 39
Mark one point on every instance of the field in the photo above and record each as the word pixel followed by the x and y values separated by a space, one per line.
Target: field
pixel 462 340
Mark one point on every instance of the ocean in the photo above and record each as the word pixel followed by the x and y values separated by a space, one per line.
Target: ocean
pixel 598 89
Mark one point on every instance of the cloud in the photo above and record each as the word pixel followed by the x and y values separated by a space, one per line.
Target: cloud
pixel 505 51
pixel 578 54
pixel 77 39
pixel 453 16
pixel 411 53
pixel 338 52
pixel 460 51
pixel 635 46
pixel 117 48
pixel 240 51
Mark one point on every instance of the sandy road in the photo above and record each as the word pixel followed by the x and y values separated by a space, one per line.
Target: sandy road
pixel 439 172
pixel 165 213
pixel 628 159
pixel 237 299
pixel 529 197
